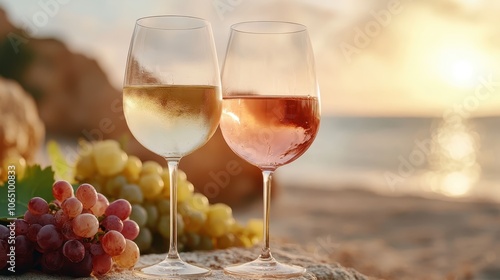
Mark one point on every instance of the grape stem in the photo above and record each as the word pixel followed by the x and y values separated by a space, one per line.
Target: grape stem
pixel 172 170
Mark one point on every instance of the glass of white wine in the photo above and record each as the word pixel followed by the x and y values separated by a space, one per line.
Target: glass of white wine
pixel 172 103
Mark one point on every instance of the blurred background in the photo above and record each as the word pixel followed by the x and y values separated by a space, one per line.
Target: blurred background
pixel 410 95
pixel 409 89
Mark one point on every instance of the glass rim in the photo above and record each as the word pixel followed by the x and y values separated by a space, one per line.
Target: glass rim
pixel 278 27
pixel 192 22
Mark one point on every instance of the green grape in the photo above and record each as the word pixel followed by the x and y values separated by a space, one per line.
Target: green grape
pixel 185 190
pixel 153 213
pixel 206 243
pixel 132 169
pixel 85 167
pixel 199 202
pixel 97 186
pixel 139 215
pixel 220 211
pixel 163 206
pixel 108 157
pixel 183 208
pixel 237 229
pixel 255 240
pixel 181 243
pixel 113 185
pixel 225 241
pixel 151 185
pixel 144 239
pixel 243 241
pixel 97 180
pixel 194 220
pixel 163 226
pixel 180 225
pixel 192 240
pixel 181 179
pixel 181 175
pixel 132 193
pixel 217 227
pixel 256 227
pixel 165 176
pixel 150 167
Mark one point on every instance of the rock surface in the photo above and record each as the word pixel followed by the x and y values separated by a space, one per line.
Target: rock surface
pixel 216 260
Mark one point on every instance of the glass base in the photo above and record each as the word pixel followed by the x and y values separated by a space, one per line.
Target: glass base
pixel 172 269
pixel 265 268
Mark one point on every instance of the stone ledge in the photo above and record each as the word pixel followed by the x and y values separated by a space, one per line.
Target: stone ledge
pixel 217 259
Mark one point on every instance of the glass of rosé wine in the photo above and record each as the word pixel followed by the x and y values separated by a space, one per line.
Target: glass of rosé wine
pixel 172 104
pixel 270 112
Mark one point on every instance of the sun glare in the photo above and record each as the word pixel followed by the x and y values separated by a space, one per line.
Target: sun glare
pixel 470 4
pixel 453 167
pixel 459 67
pixel 456 184
pixel 457 144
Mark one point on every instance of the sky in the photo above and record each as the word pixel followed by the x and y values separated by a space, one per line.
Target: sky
pixel 373 58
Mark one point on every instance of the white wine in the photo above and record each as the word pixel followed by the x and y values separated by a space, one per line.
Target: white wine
pixel 172 121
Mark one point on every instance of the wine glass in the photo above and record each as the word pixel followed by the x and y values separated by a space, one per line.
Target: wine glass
pixel 172 104
pixel 270 112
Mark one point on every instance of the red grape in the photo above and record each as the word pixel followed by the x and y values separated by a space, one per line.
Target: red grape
pixel 4 250
pixel 60 217
pixel 38 206
pixel 33 231
pixel 85 225
pixel 113 243
pixel 61 190
pixel 23 246
pixel 112 222
pixel 24 253
pixel 21 227
pixel 47 219
pixel 120 208
pixel 52 261
pixel 79 269
pixel 87 195
pixel 129 257
pixel 30 218
pixel 4 232
pixel 67 230
pixel 74 250
pixel 100 206
pixel 96 249
pixel 72 207
pixel 130 229
pixel 101 264
pixel 49 238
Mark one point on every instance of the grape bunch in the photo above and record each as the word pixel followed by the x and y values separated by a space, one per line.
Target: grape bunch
pixel 146 185
pixel 77 234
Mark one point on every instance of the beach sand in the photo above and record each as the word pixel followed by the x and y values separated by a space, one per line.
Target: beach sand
pixel 393 237
pixel 337 234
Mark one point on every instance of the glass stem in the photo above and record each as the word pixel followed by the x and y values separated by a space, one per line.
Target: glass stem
pixel 172 171
pixel 266 250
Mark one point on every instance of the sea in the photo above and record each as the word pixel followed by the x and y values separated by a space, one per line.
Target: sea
pixel 453 158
